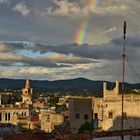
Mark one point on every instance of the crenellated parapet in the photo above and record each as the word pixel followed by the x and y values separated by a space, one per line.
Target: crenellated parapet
pixel 111 94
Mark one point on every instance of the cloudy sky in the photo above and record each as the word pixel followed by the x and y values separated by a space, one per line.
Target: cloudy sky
pixel 65 39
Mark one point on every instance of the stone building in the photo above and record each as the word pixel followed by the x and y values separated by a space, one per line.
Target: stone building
pixel 108 109
pixel 39 103
pixel 64 101
pixel 49 120
pixel 5 98
pixel 8 109
pixel 80 111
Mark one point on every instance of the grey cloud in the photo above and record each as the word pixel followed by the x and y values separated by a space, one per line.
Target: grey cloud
pixel 133 41
pixel 106 51
pixel 45 63
pixel 4 63
pixel 55 29
pixel 21 8
pixel 111 50
pixel 15 47
pixel 3 1
pixel 8 59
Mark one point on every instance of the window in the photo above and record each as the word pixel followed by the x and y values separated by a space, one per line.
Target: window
pixel 9 116
pixel 6 116
pixel 96 115
pixel 86 116
pixel 110 115
pixel 124 115
pixel 77 116
pixel 48 117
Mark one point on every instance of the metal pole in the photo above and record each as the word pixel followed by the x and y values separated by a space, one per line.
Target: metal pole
pixel 123 75
pixel 91 126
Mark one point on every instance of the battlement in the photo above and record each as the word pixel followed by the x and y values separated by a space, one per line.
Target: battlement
pixel 110 94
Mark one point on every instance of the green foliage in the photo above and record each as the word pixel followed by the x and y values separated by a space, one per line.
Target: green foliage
pixel 52 101
pixel 61 108
pixel 86 127
pixel 16 97
pixel 132 92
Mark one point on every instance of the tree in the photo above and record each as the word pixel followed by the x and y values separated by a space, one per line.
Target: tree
pixel 52 101
pixel 85 127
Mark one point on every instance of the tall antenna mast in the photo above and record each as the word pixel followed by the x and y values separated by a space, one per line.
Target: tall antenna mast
pixel 123 73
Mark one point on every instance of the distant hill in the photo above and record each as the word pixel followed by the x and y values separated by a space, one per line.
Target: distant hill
pixel 71 84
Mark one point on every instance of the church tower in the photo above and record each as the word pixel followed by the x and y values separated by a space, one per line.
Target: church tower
pixel 27 93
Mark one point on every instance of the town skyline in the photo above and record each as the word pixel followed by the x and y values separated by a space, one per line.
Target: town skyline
pixel 53 39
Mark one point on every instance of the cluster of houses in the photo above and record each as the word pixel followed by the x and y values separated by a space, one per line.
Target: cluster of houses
pixel 103 113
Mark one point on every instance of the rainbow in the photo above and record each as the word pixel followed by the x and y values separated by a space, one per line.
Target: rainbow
pixel 80 35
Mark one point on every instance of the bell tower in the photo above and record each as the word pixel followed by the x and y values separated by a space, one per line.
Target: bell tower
pixel 27 93
pixel 27 86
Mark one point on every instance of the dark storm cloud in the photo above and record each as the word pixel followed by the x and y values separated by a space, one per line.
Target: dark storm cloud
pixel 109 51
pixel 11 53
pixel 38 63
pixel 133 41
pixel 14 46
pixel 12 59
pixel 106 51
pixel 27 61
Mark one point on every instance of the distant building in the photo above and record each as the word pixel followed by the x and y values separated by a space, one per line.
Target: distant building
pixel 5 98
pixel 64 101
pixel 39 103
pixel 8 109
pixel 80 111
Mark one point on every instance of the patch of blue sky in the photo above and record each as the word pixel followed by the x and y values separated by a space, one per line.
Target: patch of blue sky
pixel 32 54
pixel 17 64
pixel 29 53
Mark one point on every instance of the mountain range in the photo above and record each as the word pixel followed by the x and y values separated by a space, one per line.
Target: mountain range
pixel 71 84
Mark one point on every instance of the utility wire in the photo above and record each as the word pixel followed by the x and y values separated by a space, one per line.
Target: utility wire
pixel 132 68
